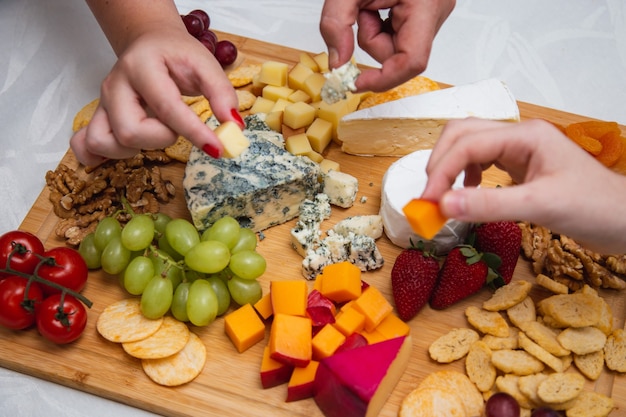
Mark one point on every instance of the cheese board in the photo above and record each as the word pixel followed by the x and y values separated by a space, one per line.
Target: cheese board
pixel 230 384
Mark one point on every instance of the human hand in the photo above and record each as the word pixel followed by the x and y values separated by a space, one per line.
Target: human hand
pixel 140 104
pixel 558 185
pixel 403 49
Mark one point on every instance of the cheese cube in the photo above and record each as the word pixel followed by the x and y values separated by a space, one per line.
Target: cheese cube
pixel 264 306
pixel 341 188
pixel 274 120
pixel 307 60
pixel 349 321
pixel 262 105
pixel 301 382
pixel 322 61
pixel 290 340
pixel 299 115
pixel 298 144
pixel 300 95
pixel 328 165
pixel 326 341
pixel 244 327
pixel 272 92
pixel 313 85
pixel 314 156
pixel 373 337
pixel 342 282
pixel 280 105
pixel 333 113
pixel 233 139
pixel 392 326
pixel 289 297
pixel 274 73
pixel 273 373
pixel 320 134
pixel 374 306
pixel 297 75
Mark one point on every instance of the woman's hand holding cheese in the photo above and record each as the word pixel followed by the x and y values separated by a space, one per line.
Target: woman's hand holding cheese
pixel 140 104
pixel 403 49
pixel 558 185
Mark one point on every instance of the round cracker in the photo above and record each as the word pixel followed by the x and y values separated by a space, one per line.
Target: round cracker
pixel 123 322
pixel 427 402
pixel 179 368
pixel 84 115
pixel 171 338
pixel 458 383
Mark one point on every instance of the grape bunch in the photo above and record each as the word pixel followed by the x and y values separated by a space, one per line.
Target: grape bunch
pixel 197 22
pixel 174 268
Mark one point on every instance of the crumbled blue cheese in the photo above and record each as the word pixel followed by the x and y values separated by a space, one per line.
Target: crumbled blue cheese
pixel 306 233
pixel 369 225
pixel 339 81
pixel 262 187
pixel 341 188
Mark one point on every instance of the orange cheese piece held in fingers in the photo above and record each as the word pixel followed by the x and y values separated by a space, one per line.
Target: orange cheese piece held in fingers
pixel 424 217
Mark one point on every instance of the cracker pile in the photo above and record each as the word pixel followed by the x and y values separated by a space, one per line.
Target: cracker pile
pixel 170 353
pixel 542 353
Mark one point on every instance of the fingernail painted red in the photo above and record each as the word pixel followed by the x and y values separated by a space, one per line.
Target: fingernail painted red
pixel 237 117
pixel 211 151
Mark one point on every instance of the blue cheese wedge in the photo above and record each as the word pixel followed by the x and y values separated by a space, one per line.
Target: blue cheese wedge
pixel 339 81
pixel 262 187
pixel 399 127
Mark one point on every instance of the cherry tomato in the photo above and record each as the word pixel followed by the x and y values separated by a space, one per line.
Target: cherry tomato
pixel 61 325
pixel 16 312
pixel 66 267
pixel 23 248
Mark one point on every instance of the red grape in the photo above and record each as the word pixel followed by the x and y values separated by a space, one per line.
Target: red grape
pixel 193 24
pixel 502 404
pixel 225 52
pixel 208 40
pixel 545 412
pixel 203 16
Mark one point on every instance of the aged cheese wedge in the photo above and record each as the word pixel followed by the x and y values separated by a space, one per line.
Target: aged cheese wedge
pixel 413 123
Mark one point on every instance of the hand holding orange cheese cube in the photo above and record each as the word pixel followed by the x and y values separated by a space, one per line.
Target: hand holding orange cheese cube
pixel 424 217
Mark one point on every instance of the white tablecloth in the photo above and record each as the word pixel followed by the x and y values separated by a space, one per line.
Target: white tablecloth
pixel 564 54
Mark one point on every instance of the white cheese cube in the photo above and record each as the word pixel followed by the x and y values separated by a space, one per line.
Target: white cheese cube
pixel 341 188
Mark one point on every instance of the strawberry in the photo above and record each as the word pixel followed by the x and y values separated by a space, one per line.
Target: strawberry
pixel 503 239
pixel 413 278
pixel 463 273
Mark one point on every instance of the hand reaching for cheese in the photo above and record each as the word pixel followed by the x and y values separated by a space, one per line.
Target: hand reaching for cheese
pixel 559 185
pixel 401 44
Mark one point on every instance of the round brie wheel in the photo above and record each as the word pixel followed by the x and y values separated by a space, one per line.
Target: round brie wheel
pixel 406 179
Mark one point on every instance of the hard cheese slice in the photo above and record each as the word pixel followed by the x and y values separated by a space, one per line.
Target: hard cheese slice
pixel 262 187
pixel 357 382
pixel 413 123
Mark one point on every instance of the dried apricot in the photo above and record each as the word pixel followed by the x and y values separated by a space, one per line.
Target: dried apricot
pixel 577 133
pixel 612 148
pixel 598 128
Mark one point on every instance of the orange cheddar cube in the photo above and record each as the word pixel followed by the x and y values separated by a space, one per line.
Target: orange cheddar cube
pixel 326 342
pixel 290 340
pixel 264 306
pixel 392 327
pixel 373 337
pixel 301 382
pixel 424 217
pixel 319 281
pixel 342 282
pixel 289 297
pixel 349 321
pixel 374 306
pixel 244 327
pixel 273 373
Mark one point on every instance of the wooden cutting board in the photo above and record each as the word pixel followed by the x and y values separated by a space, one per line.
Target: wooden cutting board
pixel 229 384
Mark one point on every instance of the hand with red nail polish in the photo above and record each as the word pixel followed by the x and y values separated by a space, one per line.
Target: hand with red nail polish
pixel 140 104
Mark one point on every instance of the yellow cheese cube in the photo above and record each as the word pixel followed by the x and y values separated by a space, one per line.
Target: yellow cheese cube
pixel 262 105
pixel 321 60
pixel 333 113
pixel 313 86
pixel 297 75
pixel 298 144
pixel 274 73
pixel 307 60
pixel 320 134
pixel 374 306
pixel 298 96
pixel 257 85
pixel 349 321
pixel 314 156
pixel 233 139
pixel 272 92
pixel 280 105
pixel 299 115
pixel 244 327
pixel 274 120
pixel 326 341
pixel 289 297
pixel 342 282
pixel 264 306
pixel 392 326
pixel 290 340
pixel 373 337
pixel 328 165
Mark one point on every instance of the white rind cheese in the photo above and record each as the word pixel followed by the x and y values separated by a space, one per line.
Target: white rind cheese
pixel 406 179
pixel 399 127
pixel 262 187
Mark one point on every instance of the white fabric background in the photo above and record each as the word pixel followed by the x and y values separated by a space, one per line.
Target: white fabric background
pixel 564 54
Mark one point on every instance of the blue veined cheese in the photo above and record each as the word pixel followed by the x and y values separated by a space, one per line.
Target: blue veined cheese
pixel 361 250
pixel 341 188
pixel 339 81
pixel 262 187
pixel 368 224
pixel 306 233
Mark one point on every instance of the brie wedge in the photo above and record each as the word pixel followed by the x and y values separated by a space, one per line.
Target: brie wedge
pixel 399 127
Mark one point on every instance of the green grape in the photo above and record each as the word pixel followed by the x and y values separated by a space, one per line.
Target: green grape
pixel 90 253
pixel 221 291
pixel 138 232
pixel 202 303
pixel 165 266
pixel 247 264
pixel 138 273
pixel 156 299
pixel 107 229
pixel 181 235
pixel 115 257
pixel 164 245
pixel 179 302
pixel 244 291
pixel 225 230
pixel 160 221
pixel 191 275
pixel 247 240
pixel 209 256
